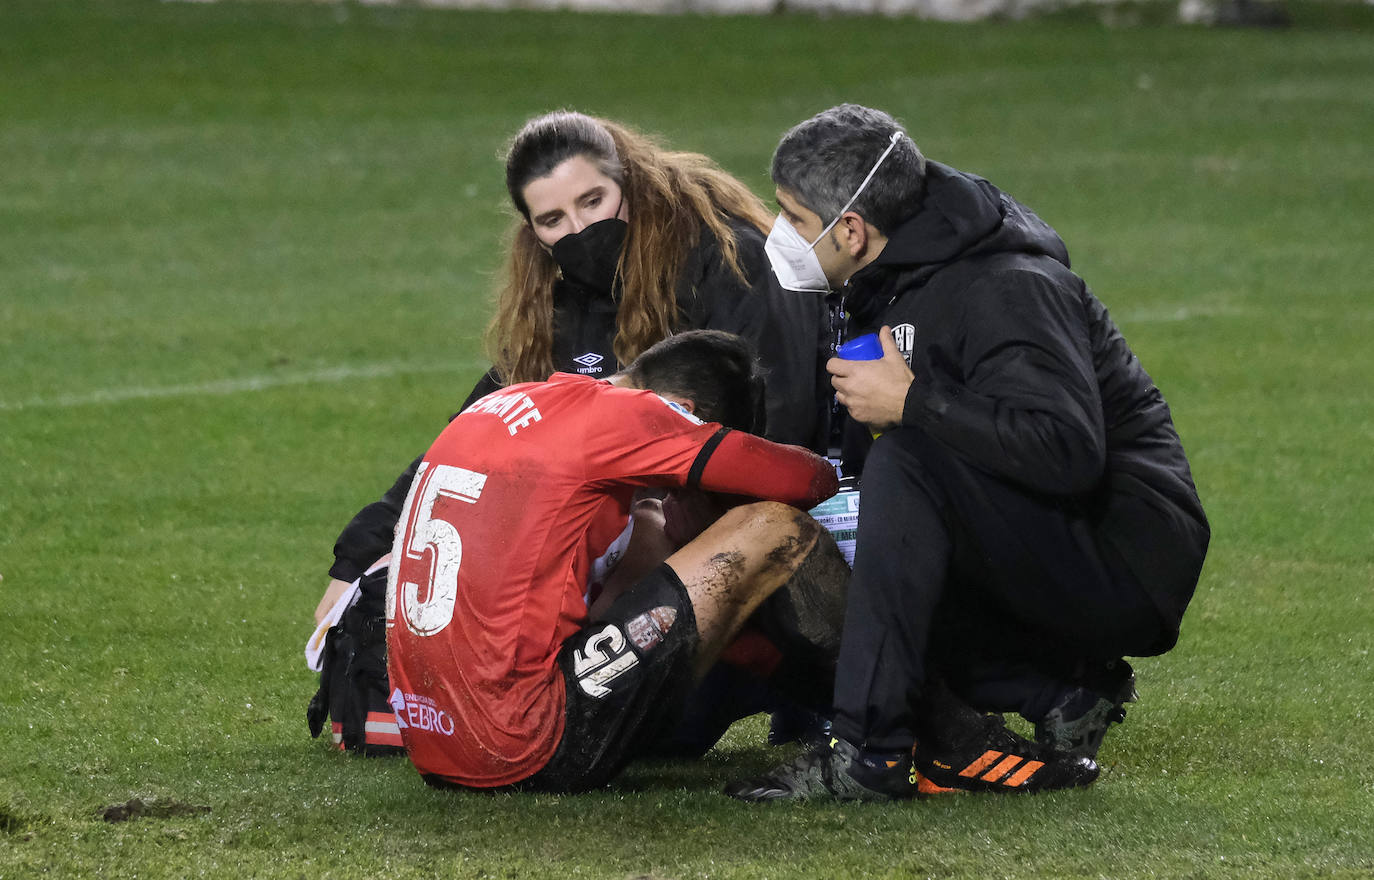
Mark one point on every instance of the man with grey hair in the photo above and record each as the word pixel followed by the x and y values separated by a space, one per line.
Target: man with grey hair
pixel 1028 516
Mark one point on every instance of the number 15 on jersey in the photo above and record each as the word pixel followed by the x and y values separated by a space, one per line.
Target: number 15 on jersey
pixel 428 549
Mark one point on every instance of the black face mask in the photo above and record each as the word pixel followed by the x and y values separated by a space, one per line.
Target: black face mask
pixel 589 257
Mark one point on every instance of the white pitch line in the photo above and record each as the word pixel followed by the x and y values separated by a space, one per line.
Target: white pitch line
pixel 1167 315
pixel 235 386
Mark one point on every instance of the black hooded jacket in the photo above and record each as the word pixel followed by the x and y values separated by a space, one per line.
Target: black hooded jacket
pixel 1021 373
pixel 788 330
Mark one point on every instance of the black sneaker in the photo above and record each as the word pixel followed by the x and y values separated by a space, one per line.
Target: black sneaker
pixel 834 770
pixel 1078 721
pixel 795 724
pixel 984 755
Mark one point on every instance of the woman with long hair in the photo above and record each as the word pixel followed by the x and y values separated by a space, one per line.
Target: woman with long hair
pixel 618 243
pixel 659 209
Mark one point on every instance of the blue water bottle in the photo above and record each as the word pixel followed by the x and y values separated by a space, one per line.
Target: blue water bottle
pixel 861 348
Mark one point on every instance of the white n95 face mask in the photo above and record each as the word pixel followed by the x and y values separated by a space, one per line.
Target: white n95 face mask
pixel 793 258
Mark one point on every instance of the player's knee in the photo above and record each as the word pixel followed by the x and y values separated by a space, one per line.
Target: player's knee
pixel 781 533
pixel 764 516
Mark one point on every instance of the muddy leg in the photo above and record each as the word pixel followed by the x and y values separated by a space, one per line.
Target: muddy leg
pixel 735 564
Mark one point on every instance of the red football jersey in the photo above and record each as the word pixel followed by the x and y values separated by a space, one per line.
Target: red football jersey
pixel 513 502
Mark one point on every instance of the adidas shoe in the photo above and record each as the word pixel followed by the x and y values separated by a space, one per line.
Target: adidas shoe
pixel 1078 721
pixel 834 770
pixel 987 756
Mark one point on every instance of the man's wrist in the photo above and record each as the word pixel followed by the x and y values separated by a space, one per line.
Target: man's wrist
pixel 911 401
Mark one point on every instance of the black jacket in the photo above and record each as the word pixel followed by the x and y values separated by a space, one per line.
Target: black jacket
pixel 788 330
pixel 1021 372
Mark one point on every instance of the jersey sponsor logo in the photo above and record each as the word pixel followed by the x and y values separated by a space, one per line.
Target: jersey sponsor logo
pixel 418 712
pixel 516 409
pixel 605 657
pixel 905 337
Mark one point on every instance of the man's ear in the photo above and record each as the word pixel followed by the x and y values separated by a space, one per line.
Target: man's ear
pixel 855 240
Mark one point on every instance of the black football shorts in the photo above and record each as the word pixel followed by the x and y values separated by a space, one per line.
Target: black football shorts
pixel 628 676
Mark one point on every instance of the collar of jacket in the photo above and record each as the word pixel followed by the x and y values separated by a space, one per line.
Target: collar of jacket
pixel 571 295
pixel 961 215
pixel 957 211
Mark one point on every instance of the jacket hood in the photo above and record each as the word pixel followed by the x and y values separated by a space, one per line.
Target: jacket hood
pixel 963 215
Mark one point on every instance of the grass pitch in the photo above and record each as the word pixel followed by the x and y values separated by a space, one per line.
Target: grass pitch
pixel 245 253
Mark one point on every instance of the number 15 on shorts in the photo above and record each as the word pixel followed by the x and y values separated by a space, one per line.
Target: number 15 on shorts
pixel 605 657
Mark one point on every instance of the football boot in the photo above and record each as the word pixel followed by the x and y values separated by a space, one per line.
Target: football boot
pixel 986 756
pixel 1077 723
pixel 833 770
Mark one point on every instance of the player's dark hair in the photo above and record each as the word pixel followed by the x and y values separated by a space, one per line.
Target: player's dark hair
pixel 715 370
pixel 823 160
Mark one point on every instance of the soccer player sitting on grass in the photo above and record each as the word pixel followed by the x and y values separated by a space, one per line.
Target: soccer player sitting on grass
pixel 500 673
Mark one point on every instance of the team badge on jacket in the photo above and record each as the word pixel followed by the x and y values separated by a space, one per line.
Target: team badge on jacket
pixel 905 337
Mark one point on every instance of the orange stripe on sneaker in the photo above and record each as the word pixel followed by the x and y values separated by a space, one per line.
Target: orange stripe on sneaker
pixel 1006 765
pixel 981 764
pixel 925 787
pixel 1020 776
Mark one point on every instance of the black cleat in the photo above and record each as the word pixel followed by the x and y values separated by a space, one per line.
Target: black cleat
pixel 963 749
pixel 834 770
pixel 1078 721
pixel 990 757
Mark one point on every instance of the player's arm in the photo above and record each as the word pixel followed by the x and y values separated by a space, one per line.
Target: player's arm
pixel 736 463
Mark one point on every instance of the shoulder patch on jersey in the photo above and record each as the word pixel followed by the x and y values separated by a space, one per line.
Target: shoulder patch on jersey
pixel 681 410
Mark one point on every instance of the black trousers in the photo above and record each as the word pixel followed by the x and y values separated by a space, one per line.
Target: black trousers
pixel 1002 592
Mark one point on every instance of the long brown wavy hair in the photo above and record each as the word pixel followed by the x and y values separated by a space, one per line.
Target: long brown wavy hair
pixel 670 196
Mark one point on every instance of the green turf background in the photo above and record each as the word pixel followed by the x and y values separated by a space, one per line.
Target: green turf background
pixel 245 254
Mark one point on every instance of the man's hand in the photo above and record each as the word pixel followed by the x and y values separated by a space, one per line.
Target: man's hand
pixel 874 392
